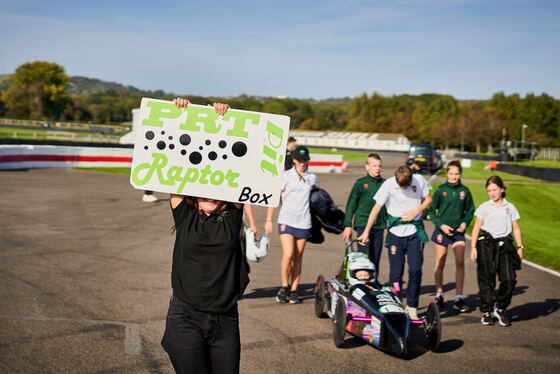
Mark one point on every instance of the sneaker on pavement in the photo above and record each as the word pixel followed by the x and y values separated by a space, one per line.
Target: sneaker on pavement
pixel 282 295
pixel 412 313
pixel 502 317
pixel 149 198
pixel 460 305
pixel 439 301
pixel 487 319
pixel 293 298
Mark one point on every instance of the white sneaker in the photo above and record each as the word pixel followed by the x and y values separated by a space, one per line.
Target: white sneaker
pixel 412 312
pixel 149 198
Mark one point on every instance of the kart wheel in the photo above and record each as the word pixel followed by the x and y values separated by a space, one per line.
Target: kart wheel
pixel 321 307
pixel 339 323
pixel 432 327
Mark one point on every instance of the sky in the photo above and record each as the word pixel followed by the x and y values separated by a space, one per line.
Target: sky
pixel 316 49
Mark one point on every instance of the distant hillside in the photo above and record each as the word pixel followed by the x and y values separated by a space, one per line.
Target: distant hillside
pixel 88 86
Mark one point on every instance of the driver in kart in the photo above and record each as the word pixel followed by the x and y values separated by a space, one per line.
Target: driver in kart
pixel 360 268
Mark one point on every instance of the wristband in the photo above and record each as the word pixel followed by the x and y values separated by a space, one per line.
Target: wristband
pixel 520 247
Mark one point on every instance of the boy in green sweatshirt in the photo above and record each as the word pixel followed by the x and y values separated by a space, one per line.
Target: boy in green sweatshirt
pixel 451 212
pixel 359 205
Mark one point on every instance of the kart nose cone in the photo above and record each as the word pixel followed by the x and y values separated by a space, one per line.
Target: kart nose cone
pixel 399 346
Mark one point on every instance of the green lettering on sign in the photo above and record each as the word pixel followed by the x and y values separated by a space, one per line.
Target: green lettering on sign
pixel 160 110
pixel 240 120
pixel 197 116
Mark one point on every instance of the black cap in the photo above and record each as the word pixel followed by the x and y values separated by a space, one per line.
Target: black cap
pixel 301 153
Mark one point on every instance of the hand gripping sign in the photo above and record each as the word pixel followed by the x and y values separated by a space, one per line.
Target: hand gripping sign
pixel 236 157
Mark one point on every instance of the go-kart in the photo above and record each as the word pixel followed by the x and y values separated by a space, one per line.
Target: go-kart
pixel 371 311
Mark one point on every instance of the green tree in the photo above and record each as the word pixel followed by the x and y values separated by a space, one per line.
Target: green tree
pixel 37 90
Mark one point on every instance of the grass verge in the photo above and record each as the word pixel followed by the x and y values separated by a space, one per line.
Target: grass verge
pixel 476 171
pixel 349 156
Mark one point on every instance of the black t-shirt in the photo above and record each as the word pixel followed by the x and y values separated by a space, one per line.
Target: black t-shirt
pixel 209 271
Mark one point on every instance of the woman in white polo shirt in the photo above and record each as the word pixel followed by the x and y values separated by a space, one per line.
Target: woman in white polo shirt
pixel 294 222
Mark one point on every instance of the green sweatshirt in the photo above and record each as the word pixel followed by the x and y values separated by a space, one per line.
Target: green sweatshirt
pixel 452 205
pixel 360 202
pixel 395 221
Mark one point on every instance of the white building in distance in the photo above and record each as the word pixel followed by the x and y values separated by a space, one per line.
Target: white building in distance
pixel 352 140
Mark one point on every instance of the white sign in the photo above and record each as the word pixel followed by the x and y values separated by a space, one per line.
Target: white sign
pixel 237 157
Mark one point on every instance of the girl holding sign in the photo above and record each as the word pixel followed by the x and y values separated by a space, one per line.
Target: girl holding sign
pixel 294 222
pixel 208 276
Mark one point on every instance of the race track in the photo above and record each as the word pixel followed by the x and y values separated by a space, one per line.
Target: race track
pixel 85 282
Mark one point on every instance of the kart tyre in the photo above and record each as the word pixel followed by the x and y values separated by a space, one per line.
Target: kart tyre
pixel 339 323
pixel 432 327
pixel 321 306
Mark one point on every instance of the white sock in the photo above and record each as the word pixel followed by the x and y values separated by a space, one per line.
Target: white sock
pixel 438 294
pixel 458 297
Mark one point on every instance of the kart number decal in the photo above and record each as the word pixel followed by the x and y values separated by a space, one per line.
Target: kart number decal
pixel 358 294
pixel 391 309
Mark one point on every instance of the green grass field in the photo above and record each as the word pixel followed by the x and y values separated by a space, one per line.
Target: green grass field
pixel 349 156
pixel 7 132
pixel 539 208
pixel 539 163
pixel 476 171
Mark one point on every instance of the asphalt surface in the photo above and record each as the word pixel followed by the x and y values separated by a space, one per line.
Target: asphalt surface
pixel 85 284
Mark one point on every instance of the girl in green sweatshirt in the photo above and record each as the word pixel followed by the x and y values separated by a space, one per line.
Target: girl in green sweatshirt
pixel 451 212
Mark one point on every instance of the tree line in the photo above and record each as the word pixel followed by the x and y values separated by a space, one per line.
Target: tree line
pixel 42 90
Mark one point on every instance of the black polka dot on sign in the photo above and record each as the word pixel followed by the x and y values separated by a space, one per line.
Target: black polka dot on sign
pixel 161 144
pixel 239 149
pixel 195 158
pixel 222 144
pixel 171 146
pixel 150 135
pixel 170 137
pixel 212 155
pixel 185 139
pixel 163 133
pixel 224 157
pixel 201 148
pixel 145 147
pixel 183 152
pixel 208 142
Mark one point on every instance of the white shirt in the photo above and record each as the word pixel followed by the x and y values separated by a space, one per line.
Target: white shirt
pixel 497 220
pixel 295 199
pixel 398 201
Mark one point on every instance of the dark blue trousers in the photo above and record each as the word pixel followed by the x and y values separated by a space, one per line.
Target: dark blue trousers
pixel 199 342
pixel 412 247
pixel 372 248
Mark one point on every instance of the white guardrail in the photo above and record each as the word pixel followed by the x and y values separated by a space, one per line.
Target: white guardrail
pixel 55 156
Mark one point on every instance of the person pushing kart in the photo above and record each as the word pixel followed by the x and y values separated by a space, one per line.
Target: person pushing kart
pixel 402 196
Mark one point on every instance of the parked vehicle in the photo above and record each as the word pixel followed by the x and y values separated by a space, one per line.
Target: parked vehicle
pixel 424 158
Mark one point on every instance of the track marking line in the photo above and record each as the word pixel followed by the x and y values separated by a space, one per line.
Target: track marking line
pixel 132 342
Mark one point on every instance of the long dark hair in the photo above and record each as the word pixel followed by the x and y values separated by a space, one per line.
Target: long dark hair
pixel 498 182
pixel 193 203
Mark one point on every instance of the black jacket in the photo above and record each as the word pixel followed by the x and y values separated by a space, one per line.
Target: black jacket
pixel 324 215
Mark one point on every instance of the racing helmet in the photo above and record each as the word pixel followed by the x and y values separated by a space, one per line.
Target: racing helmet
pixel 359 261
pixel 255 250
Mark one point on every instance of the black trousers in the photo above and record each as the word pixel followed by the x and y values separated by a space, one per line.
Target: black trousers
pixel 493 259
pixel 199 342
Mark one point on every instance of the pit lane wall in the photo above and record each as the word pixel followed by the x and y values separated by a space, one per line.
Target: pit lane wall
pixel 27 156
pixel 30 156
